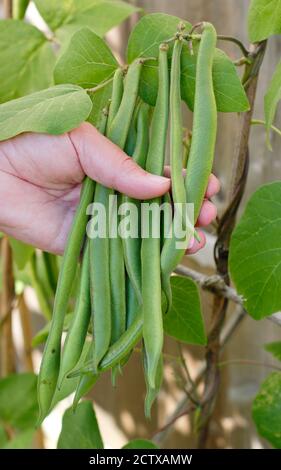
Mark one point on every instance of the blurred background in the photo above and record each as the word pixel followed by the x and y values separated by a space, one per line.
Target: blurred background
pixel 120 410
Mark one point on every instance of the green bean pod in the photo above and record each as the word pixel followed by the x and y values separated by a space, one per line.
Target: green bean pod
pixel 116 97
pixel 151 246
pixel 176 152
pixel 100 281
pixel 200 161
pixel 86 382
pixel 132 246
pixel 77 333
pixel 50 364
pixel 202 145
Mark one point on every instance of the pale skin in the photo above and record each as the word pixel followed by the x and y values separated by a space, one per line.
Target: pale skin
pixel 41 176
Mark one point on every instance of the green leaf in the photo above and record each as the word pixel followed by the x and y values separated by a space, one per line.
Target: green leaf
pixel 264 19
pixel 229 92
pixel 274 348
pixel 22 440
pixel 27 60
pixel 54 111
pixel 184 321
pixel 21 252
pixel 67 16
pixel 272 98
pixel 266 410
pixel 87 61
pixel 255 252
pixel 144 41
pixel 18 400
pixel 140 444
pixel 80 430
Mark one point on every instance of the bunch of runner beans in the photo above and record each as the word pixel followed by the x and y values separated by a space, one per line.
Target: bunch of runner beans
pixel 124 288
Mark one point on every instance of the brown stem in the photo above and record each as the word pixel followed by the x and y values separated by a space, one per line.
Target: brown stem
pixel 8 8
pixel 225 228
pixel 7 356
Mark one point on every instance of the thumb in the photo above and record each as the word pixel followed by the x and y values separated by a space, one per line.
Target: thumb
pixel 109 165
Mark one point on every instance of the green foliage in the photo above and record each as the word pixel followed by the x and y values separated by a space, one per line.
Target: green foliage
pixel 144 41
pixel 27 60
pixel 80 430
pixel 140 444
pixel 54 111
pixel 275 349
pixel 184 322
pixel 86 62
pixel 100 100
pixel 18 401
pixel 255 252
pixel 67 16
pixel 264 19
pixel 272 98
pixel 266 410
pixel 229 91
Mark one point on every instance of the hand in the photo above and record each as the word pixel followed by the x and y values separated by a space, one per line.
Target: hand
pixel 41 176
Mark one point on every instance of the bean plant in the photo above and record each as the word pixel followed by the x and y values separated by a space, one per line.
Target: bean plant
pixel 115 295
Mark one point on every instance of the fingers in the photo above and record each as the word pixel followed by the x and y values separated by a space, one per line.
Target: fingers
pixel 196 245
pixel 207 214
pixel 106 163
pixel 213 186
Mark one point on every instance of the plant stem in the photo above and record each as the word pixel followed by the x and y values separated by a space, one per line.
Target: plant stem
pixel 248 362
pixel 236 41
pixel 263 123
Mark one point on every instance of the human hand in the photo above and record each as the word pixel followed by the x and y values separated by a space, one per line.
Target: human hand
pixel 41 176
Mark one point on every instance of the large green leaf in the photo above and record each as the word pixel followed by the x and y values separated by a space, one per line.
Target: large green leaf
pixel 87 61
pixel 272 98
pixel 264 19
pixel 27 60
pixel 255 252
pixel 184 321
pixel 266 410
pixel 54 111
pixel 67 16
pixel 144 41
pixel 140 444
pixel 229 92
pixel 21 252
pixel 18 400
pixel 80 430
pixel 274 348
